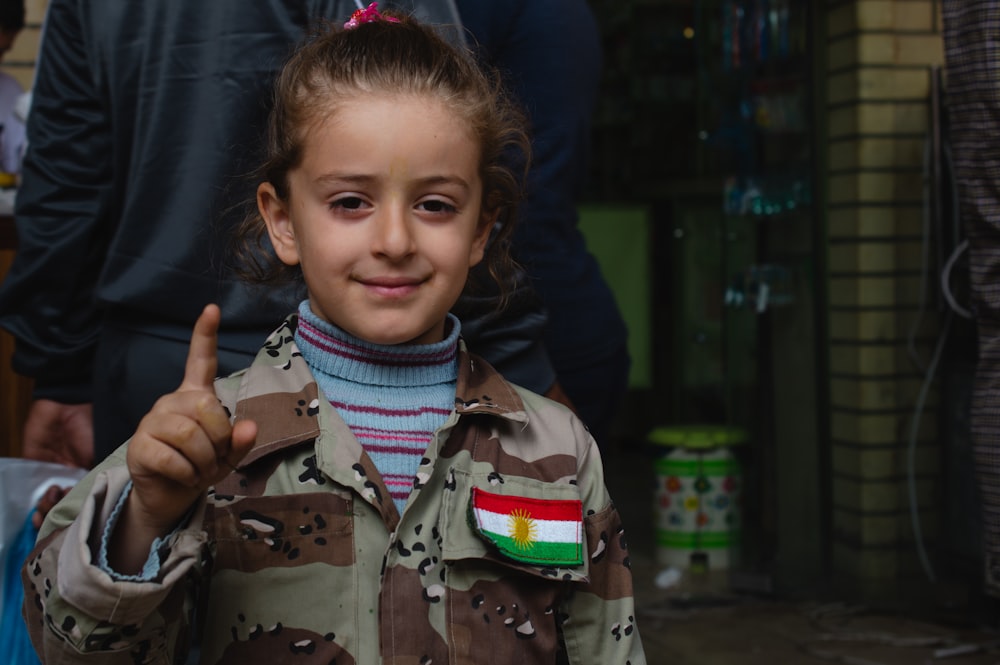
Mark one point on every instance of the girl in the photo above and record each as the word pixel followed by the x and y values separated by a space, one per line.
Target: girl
pixel 367 490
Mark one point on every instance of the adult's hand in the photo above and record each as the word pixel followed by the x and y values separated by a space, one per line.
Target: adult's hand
pixel 60 433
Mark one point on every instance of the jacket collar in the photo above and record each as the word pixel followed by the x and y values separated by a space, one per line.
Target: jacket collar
pixel 279 370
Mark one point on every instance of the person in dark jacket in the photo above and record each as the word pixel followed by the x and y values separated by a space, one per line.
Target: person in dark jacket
pixel 143 121
pixel 551 52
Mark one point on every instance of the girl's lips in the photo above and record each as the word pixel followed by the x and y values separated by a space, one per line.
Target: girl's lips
pixel 390 281
pixel 392 286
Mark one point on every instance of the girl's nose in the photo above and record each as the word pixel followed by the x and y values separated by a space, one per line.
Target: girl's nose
pixel 392 236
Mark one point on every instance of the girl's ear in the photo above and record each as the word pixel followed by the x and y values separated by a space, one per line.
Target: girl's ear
pixel 275 213
pixel 478 249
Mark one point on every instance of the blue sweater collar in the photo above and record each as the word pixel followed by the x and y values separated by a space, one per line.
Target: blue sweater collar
pixel 329 350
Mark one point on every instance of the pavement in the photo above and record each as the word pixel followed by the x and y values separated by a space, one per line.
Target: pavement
pixel 699 622
pixel 700 618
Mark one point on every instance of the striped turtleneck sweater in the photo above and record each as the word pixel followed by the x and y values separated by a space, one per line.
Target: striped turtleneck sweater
pixel 393 397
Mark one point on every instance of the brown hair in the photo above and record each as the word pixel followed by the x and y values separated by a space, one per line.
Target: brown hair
pixel 408 58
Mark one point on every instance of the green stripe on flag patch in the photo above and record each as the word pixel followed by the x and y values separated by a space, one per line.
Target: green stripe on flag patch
pixel 539 531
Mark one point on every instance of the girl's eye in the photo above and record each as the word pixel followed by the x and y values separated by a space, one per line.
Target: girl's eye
pixel 437 206
pixel 348 203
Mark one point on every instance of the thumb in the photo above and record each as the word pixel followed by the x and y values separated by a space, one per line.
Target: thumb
pixel 241 442
pixel 203 359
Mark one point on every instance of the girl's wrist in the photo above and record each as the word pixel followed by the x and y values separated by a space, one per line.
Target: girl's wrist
pixel 134 534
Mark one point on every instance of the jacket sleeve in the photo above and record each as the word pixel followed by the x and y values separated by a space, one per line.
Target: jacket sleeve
pixel 63 217
pixel 75 612
pixel 599 622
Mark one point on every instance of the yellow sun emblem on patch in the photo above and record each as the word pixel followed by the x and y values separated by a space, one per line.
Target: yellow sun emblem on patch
pixel 523 530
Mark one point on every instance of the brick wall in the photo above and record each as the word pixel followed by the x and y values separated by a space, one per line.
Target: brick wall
pixel 879 57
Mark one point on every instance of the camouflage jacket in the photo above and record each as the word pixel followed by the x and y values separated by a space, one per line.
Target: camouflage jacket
pixel 301 556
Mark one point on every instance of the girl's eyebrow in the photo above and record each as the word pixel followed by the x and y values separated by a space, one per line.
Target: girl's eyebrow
pixel 363 179
pixel 345 178
pixel 445 180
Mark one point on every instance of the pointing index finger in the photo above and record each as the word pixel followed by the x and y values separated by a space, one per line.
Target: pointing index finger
pixel 203 360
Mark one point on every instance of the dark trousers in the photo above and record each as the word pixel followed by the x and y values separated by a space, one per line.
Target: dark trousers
pixel 597 391
pixel 133 369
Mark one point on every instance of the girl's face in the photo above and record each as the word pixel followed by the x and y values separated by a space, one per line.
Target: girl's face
pixel 384 215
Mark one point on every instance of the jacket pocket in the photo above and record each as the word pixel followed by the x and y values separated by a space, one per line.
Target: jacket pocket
pixel 517 523
pixel 283 580
pixel 504 609
pixel 256 533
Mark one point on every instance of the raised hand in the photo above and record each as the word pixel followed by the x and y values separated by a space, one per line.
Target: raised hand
pixel 183 445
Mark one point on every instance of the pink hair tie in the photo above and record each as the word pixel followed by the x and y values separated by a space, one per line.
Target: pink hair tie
pixel 368 15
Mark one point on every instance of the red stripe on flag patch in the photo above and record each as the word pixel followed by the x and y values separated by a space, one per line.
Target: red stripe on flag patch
pixel 568 510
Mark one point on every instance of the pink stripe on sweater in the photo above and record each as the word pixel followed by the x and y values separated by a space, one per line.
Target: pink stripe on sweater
pixel 354 352
pixel 391 443
pixel 356 408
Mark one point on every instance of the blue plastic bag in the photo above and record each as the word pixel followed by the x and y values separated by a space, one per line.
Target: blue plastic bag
pixel 15 647
pixel 22 483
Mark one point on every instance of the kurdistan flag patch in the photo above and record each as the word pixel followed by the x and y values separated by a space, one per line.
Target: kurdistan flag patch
pixel 538 531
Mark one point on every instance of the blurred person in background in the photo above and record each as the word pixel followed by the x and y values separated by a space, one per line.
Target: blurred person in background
pixel 12 135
